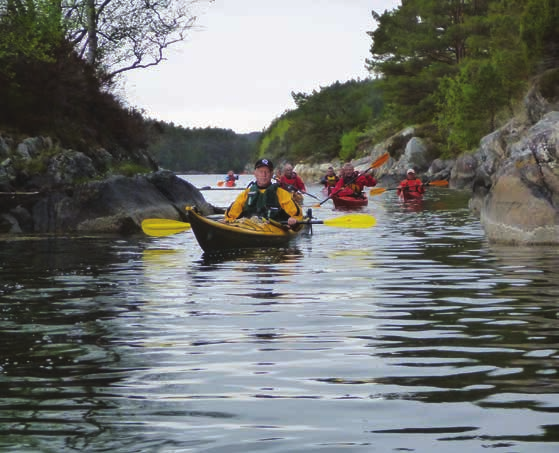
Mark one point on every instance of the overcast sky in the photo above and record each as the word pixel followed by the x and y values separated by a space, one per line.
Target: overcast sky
pixel 239 70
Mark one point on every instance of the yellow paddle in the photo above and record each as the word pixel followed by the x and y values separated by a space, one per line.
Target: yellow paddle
pixel 167 227
pixel 163 227
pixel 379 190
pixel 377 163
pixel 346 221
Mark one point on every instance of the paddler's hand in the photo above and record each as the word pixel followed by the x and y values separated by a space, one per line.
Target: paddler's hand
pixel 292 221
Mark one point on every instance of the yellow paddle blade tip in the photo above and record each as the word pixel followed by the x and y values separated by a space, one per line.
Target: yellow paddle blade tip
pixel 352 221
pixel 163 227
pixel 361 221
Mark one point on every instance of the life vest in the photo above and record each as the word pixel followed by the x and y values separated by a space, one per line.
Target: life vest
pixel 264 204
pixel 413 185
pixel 330 181
pixel 357 189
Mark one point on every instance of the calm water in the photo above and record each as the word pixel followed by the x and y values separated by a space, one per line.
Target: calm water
pixel 415 335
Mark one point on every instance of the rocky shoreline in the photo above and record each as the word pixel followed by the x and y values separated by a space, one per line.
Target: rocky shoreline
pixel 513 177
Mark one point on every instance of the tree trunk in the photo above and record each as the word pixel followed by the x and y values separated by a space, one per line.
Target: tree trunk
pixel 91 56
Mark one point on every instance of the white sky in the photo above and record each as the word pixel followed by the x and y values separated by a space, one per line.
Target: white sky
pixel 238 72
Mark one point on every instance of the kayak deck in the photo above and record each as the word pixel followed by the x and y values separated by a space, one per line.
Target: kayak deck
pixel 406 195
pixel 216 236
pixel 350 202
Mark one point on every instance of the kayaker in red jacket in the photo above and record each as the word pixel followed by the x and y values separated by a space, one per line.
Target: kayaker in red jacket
pixel 291 181
pixel 412 185
pixel 351 183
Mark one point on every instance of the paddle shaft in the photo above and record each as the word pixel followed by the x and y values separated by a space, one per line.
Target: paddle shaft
pixel 380 190
pixel 292 188
pixel 310 195
pixel 221 188
pixel 305 222
pixel 345 221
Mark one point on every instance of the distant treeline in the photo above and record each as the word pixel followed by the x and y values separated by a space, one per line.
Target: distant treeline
pixel 202 150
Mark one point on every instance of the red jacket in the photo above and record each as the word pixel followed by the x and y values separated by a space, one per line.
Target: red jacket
pixel 411 185
pixel 347 188
pixel 294 184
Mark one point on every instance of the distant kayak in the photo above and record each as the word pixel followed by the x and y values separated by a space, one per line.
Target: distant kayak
pixel 406 195
pixel 221 188
pixel 350 202
pixel 229 183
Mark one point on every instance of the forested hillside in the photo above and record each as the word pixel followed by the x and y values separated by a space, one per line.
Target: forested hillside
pixel 326 123
pixel 457 69
pixel 453 69
pixel 207 150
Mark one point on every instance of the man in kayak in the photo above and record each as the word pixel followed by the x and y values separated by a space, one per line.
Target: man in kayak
pixel 329 180
pixel 412 185
pixel 351 183
pixel 291 181
pixel 265 199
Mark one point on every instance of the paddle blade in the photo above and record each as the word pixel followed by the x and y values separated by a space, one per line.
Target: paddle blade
pixel 440 183
pixel 377 191
pixel 163 227
pixel 380 161
pixel 352 221
pixel 220 183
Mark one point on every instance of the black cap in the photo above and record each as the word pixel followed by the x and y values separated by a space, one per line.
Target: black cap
pixel 264 163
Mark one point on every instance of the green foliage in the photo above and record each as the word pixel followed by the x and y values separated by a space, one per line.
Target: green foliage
pixel 469 103
pixel 30 29
pixel 416 45
pixel 210 150
pixel 272 140
pixel 129 169
pixel 348 144
pixel 314 130
pixel 47 89
pixel 458 64
pixel 539 30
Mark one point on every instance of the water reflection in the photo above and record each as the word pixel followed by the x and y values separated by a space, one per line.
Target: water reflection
pixel 399 338
pixel 254 256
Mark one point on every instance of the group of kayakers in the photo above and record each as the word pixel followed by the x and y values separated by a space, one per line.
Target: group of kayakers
pixel 271 196
pixel 351 183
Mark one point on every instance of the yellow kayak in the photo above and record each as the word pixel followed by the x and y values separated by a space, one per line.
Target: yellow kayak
pixel 216 236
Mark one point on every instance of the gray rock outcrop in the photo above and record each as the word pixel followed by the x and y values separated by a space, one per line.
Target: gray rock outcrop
pixel 45 189
pixel 116 205
pixel 515 188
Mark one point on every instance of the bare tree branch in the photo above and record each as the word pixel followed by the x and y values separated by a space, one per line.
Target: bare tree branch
pixel 122 35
